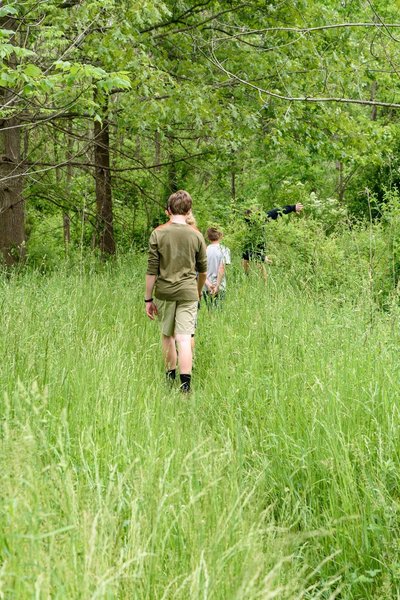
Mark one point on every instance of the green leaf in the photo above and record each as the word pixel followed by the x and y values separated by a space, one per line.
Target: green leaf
pixel 23 52
pixel 7 79
pixel 6 50
pixel 8 10
pixel 32 70
pixel 6 32
pixel 62 65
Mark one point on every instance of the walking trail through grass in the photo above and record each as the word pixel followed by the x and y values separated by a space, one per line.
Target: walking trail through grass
pixel 277 478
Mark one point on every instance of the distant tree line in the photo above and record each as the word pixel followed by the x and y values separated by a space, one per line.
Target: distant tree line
pixel 108 107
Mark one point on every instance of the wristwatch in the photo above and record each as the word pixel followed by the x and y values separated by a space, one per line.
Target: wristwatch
pixel 149 300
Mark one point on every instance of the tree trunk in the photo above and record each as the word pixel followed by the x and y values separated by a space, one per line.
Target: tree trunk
pixel 340 180
pixel 104 209
pixel 157 150
pixel 374 110
pixel 233 170
pixel 233 185
pixel 172 176
pixel 66 217
pixel 12 208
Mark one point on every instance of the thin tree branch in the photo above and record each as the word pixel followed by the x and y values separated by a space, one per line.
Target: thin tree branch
pixel 306 29
pixel 114 169
pixel 50 166
pixel 197 25
pixel 311 99
pixel 179 18
pixel 382 23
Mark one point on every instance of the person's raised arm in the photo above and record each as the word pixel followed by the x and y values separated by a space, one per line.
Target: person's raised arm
pixel 278 212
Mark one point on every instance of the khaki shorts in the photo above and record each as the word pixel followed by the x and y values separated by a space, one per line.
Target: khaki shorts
pixel 176 316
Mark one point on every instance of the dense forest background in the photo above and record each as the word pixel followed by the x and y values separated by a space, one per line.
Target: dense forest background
pixel 109 106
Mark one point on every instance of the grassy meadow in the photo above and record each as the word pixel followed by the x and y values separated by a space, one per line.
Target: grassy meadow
pixel 277 478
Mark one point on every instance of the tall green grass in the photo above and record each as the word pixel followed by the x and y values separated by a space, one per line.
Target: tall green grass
pixel 277 478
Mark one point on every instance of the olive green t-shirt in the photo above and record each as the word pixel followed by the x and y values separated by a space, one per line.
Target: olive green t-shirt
pixel 176 252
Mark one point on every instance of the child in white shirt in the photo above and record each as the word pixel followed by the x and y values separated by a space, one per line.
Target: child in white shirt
pixel 218 257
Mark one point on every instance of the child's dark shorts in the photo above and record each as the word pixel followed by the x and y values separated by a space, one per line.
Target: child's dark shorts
pixel 257 254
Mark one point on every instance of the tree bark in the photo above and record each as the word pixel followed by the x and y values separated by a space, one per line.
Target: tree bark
pixel 66 217
pixel 12 206
pixel 104 207
pixel 233 186
pixel 374 110
pixel 172 185
pixel 340 180
pixel 157 149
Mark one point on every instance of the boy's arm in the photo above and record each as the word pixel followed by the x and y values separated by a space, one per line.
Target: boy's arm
pixel 201 279
pixel 201 265
pixel 150 283
pixel 220 275
pixel 151 309
pixel 153 264
pixel 227 256
pixel 153 257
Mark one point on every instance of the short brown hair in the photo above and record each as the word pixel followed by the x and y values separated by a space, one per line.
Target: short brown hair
pixel 214 234
pixel 179 203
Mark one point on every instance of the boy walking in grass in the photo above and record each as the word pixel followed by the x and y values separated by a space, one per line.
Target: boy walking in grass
pixel 176 252
pixel 217 257
pixel 190 220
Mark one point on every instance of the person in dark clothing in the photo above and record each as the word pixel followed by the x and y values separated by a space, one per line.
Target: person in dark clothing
pixel 254 247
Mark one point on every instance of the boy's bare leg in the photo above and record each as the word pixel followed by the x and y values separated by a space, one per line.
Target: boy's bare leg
pixel 263 270
pixel 169 352
pixel 184 353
